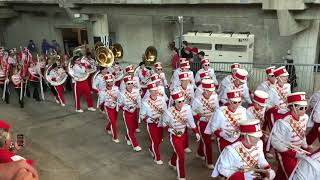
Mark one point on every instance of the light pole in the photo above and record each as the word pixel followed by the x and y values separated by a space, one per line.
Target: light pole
pixel 180 19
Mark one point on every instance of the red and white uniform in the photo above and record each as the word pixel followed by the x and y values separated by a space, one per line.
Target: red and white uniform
pixel 204 109
pixel 109 99
pixel 278 95
pixel 236 157
pixel 136 84
pixel 314 104
pixel 307 168
pixel 130 103
pixel 81 87
pixel 162 75
pixel 16 80
pixel 98 86
pixel 223 122
pixel 178 121
pixel 265 86
pixel 33 74
pixel 252 113
pixel 54 76
pixel 2 76
pixel 116 69
pixel 151 113
pixel 175 78
pixel 288 131
pixel 188 94
pixel 12 60
pixel 211 75
pixel 162 93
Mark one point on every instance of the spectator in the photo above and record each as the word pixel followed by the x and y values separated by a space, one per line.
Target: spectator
pixel 56 46
pixel 32 47
pixel 201 55
pixel 195 56
pixel 175 59
pixel 292 74
pixel 45 46
pixel 184 46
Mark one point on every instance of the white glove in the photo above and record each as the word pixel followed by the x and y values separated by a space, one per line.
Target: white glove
pixel 272 174
pixel 198 137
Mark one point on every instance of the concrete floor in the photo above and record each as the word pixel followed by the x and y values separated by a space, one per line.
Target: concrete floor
pixel 69 146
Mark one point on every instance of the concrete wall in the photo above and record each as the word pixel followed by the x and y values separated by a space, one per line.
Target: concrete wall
pixel 136 33
pixel 26 26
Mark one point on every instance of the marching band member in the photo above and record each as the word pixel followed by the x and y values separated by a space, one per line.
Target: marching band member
pixel 206 68
pixel 55 74
pixel 203 107
pixel 144 76
pixel 178 118
pixel 12 59
pixel 224 124
pixel 161 90
pixel 244 159
pixel 88 62
pixel 277 101
pixel 288 135
pixel 99 86
pixel 239 81
pixel 257 110
pixel 18 84
pixel 184 67
pixel 81 87
pixel 158 69
pixel 308 166
pixel 230 78
pixel 116 69
pixel 109 99
pixel 34 80
pixel 269 83
pixel 136 82
pixel 186 88
pixel 314 105
pixel 151 112
pixel 199 90
pixel 130 102
pixel 4 83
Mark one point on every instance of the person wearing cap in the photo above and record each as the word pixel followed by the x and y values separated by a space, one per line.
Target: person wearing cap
pixel 144 77
pixel 81 87
pixel 34 80
pixel 269 83
pixel 136 81
pixel 186 87
pixel 155 78
pixel 179 117
pixel 308 166
pixel 288 134
pixel 239 82
pixel 199 89
pixel 55 74
pixel 130 102
pixel 277 101
pixel 244 159
pixel 99 85
pixel 224 123
pixel 7 149
pixel 258 108
pixel 185 50
pixel 4 82
pixel 18 85
pixel 151 112
pixel 158 69
pixel 109 96
pixel 184 67
pixel 229 79
pixel 117 71
pixel 314 105
pixel 205 63
pixel 203 107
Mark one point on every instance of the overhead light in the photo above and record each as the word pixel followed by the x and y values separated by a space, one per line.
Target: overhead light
pixel 76 15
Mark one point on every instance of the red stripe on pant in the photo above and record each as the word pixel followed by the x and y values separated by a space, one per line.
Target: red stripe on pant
pixel 80 88
pixel 222 143
pixel 205 145
pixel 286 165
pixel 313 134
pixel 130 120
pixel 155 139
pixel 177 158
pixel 112 124
pixel 59 96
pixel 186 139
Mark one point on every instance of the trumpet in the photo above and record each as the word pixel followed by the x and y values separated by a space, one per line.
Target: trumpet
pixel 294 147
pixel 176 132
pixel 232 133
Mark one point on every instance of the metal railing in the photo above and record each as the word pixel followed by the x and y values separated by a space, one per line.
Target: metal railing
pixel 303 77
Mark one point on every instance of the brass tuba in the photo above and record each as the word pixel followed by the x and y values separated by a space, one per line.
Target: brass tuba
pixel 60 80
pixel 78 51
pixel 150 56
pixel 117 51
pixel 104 56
